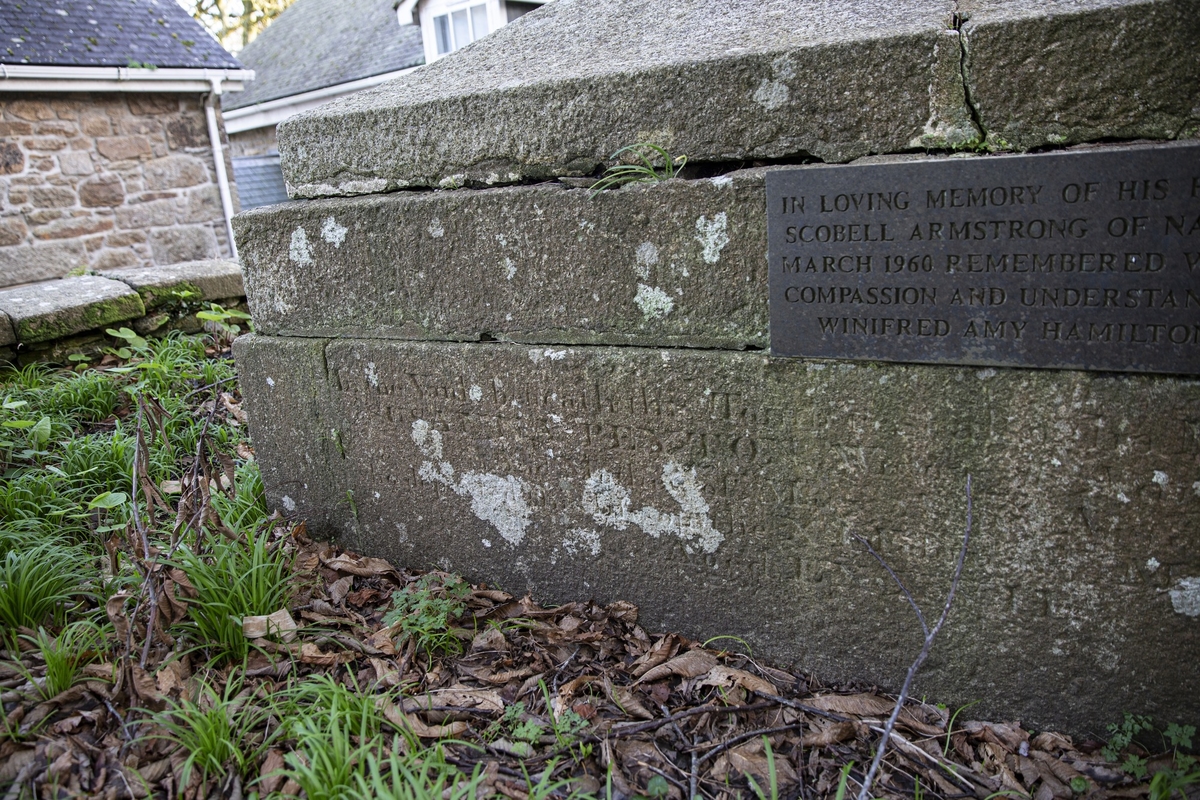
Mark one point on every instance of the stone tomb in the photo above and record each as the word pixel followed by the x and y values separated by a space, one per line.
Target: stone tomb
pixel 572 396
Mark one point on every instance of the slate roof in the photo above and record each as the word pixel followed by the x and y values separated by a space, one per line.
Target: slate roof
pixel 259 181
pixel 106 33
pixel 319 43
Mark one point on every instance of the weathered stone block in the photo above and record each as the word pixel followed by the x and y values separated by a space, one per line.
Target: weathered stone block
pixel 189 131
pixel 1060 72
pixel 145 215
pixel 15 128
pixel 12 160
pixel 192 243
pixel 102 191
pixel 55 309
pixel 781 78
pixel 96 125
pixel 115 259
pixel 680 262
pixel 717 490
pixel 40 262
pixel 52 197
pixel 204 280
pixel 12 231
pixel 76 162
pixel 73 227
pixel 173 172
pixel 7 334
pixel 119 148
pixel 31 110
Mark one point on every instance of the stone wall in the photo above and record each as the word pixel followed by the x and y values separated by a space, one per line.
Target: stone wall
pixel 255 142
pixel 105 181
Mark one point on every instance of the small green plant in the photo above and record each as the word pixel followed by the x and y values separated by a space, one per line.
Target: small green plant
pixel 950 725
pixel 653 164
pixel 1120 736
pixel 424 610
pixel 566 727
pixel 215 732
pixel 516 725
pixel 238 578
pixel 221 321
pixel 140 65
pixel 38 583
pixel 334 728
pixel 135 343
pixel 843 781
pixel 66 655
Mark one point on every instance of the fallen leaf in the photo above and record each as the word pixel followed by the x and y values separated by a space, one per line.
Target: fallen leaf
pixel 659 653
pixel 115 609
pixel 278 623
pixel 729 677
pixel 311 654
pixel 364 566
pixel 827 732
pixel 411 722
pixel 691 664
pixel 270 773
pixel 340 588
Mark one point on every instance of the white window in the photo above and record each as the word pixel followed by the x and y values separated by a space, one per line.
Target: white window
pixel 460 28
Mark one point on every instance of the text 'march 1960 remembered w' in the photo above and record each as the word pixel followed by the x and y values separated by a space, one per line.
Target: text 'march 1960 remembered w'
pixel 690 394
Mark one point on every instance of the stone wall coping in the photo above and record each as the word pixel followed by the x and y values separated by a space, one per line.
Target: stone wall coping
pixel 7 334
pixel 782 79
pixel 46 314
pixel 212 279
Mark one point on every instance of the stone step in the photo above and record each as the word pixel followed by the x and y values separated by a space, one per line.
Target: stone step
pixel 679 263
pixel 561 89
pixel 717 490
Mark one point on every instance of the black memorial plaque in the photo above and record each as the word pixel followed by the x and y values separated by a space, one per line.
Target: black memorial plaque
pixel 1081 260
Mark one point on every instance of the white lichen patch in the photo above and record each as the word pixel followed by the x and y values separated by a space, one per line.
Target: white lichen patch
pixel 1160 478
pixel 498 500
pixel 645 257
pixel 270 382
pixel 713 236
pixel 1152 564
pixel 289 504
pixel 435 228
pixel 772 94
pixel 653 302
pixel 1185 597
pixel 371 374
pixel 721 181
pixel 510 269
pixel 333 233
pixel 299 251
pixel 475 393
pixel 1122 497
pixel 579 540
pixel 609 504
pixel 984 374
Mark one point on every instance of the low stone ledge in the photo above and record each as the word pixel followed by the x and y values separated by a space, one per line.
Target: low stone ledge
pixel 602 471
pixel 7 334
pixel 52 320
pixel 56 309
pixel 191 282
pixel 679 263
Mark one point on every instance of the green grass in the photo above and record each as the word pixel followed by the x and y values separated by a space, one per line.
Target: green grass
pixel 652 164
pixel 214 732
pixel 39 583
pixel 80 643
pixel 237 578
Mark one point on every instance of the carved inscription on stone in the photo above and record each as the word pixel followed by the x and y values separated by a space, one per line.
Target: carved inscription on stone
pixel 1086 259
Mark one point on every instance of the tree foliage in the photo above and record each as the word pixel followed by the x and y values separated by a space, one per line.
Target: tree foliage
pixel 235 23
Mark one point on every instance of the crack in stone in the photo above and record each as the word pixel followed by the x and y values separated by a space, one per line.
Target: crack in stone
pixel 958 21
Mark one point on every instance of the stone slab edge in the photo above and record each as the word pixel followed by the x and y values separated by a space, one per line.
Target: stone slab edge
pixel 44 313
pixel 214 279
pixel 679 263
pixel 768 101
pixel 1018 75
pixel 1076 601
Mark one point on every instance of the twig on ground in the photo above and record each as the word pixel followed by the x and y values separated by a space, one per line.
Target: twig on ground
pixel 930 633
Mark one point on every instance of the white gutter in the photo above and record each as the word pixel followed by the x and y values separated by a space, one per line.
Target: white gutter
pixel 36 78
pixel 272 112
pixel 214 134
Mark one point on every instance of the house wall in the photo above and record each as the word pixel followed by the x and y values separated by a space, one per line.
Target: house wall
pixel 105 181
pixel 254 142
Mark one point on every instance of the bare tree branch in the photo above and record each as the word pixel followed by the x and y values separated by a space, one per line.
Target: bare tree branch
pixel 930 634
